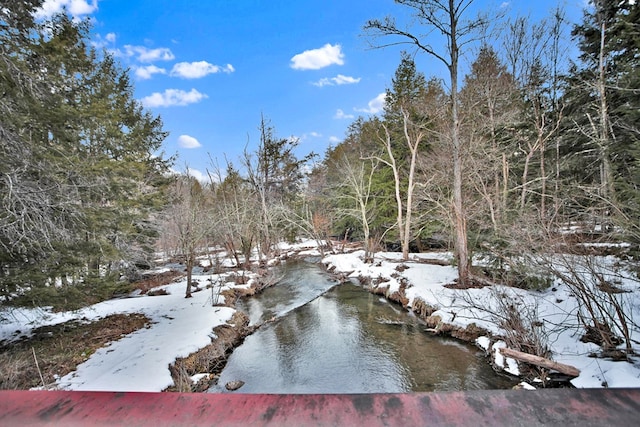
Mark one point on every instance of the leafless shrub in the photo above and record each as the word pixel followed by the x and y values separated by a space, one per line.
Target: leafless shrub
pixel 519 320
pixel 604 308
pixel 523 330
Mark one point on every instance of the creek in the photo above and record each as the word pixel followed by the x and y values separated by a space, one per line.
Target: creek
pixel 325 337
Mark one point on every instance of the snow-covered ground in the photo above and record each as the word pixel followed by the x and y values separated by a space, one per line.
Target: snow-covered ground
pixel 139 361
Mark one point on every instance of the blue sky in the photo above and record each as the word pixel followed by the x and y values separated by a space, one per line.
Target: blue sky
pixel 210 68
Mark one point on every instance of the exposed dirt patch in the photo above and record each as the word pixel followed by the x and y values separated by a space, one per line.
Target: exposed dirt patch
pixel 154 280
pixel 422 309
pixel 210 359
pixel 59 349
pixel 473 283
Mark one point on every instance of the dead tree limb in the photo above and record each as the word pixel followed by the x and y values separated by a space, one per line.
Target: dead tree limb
pixel 541 361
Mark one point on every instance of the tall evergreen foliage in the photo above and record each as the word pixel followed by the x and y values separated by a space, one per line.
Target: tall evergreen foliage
pixel 78 164
pixel 604 103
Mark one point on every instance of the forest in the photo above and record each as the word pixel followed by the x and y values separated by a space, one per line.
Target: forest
pixel 524 162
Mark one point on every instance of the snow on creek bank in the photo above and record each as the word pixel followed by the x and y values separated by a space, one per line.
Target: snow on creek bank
pixel 139 361
pixel 556 309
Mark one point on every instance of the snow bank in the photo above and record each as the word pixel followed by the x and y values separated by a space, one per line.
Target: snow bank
pixel 138 361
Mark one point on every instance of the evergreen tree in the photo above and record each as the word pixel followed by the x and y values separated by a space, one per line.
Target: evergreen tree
pixel 37 201
pixel 603 103
pixel 79 168
pixel 275 176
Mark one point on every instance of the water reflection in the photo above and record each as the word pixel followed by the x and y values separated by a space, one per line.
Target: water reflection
pixel 346 341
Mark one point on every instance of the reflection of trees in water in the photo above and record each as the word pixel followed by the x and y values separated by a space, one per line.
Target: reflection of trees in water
pixel 350 341
pixel 430 363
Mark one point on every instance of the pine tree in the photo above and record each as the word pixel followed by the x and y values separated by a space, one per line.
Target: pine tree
pixel 603 103
pixel 275 175
pixel 80 174
pixel 36 198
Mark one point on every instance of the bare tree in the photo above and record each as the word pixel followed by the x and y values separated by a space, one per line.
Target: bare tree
pixel 446 18
pixel 274 175
pixel 188 219
pixel 414 135
pixel 534 53
pixel 237 211
pixel 489 102
pixel 356 189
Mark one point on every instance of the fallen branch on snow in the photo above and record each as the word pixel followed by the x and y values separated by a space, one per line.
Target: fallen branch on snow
pixel 541 361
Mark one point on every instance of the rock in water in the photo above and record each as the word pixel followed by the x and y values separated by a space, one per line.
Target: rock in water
pixel 233 385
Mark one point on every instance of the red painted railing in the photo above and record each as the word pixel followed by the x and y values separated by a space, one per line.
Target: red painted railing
pixel 490 407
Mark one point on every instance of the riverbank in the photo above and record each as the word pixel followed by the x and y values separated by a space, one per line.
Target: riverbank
pixel 423 285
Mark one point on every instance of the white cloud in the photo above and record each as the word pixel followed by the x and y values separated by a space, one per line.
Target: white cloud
pixel 375 106
pixel 315 59
pixel 305 136
pixel 75 8
pixel 337 80
pixel 173 97
pixel 145 73
pixel 100 42
pixel 342 115
pixel 186 141
pixel 195 173
pixel 144 54
pixel 196 70
pixel 334 139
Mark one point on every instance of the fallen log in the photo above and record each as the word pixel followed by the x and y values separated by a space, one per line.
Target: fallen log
pixel 432 261
pixel 569 370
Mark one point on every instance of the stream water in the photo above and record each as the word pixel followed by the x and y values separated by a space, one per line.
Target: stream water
pixel 329 338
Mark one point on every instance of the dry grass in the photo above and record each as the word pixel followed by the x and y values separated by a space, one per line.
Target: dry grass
pixel 59 349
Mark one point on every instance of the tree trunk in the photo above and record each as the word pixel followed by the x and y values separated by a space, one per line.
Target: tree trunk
pixel 525 177
pixel 460 220
pixel 413 147
pixel 189 262
pixel 366 232
pixel 396 179
pixel 543 178
pixel 231 249
pixel 606 174
pixel 505 182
